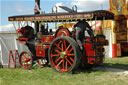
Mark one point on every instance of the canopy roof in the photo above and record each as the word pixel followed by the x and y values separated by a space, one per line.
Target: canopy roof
pixel 60 17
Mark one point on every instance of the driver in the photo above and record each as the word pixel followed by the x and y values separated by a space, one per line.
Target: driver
pixel 82 26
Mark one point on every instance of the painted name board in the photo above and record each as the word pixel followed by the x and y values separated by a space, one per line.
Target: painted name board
pixel 53 17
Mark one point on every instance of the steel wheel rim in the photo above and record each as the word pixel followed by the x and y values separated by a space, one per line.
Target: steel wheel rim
pixel 62 55
pixel 25 60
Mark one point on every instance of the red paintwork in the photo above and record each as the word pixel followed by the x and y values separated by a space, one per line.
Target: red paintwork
pixel 62 32
pixel 47 38
pixel 114 51
pixel 22 40
pixel 40 49
pixel 18 30
pixel 40 52
pixel 22 31
pixel 88 48
pixel 91 53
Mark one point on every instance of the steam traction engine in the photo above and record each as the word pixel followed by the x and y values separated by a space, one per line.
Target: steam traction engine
pixel 60 47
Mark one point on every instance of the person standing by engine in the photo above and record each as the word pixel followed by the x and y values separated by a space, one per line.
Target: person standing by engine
pixel 82 26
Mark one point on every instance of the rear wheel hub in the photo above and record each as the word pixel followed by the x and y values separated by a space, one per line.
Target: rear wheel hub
pixel 63 55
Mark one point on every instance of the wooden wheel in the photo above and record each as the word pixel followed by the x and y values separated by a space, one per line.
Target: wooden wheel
pixel 64 54
pixel 26 60
pixel 62 32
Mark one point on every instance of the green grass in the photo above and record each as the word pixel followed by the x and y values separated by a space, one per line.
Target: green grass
pixel 47 76
pixel 120 63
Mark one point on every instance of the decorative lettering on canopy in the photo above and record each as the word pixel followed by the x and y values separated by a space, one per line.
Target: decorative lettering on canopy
pixel 65 17
pixel 53 17
pixel 19 18
pixel 28 18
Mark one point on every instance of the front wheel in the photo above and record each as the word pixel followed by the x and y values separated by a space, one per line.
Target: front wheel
pixel 26 60
pixel 64 54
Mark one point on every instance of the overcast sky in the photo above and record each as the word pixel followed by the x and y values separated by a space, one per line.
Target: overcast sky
pixel 20 7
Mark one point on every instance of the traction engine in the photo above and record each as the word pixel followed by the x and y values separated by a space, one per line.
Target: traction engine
pixel 60 49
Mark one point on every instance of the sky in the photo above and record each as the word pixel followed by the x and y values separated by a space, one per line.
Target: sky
pixel 22 7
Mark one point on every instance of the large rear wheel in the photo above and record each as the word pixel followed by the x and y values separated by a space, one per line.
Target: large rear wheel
pixel 64 54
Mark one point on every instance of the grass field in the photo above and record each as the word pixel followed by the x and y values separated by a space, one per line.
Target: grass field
pixel 47 76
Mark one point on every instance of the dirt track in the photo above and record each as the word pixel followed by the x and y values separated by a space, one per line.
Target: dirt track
pixel 114 70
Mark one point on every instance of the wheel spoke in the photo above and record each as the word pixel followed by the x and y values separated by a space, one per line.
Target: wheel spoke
pixel 29 59
pixel 23 58
pixel 70 54
pixel 59 63
pixel 62 46
pixel 58 46
pixel 25 55
pixel 57 60
pixel 65 44
pixel 71 59
pixel 57 51
pixel 68 47
pixel 70 50
pixel 54 55
pixel 68 61
pixel 59 42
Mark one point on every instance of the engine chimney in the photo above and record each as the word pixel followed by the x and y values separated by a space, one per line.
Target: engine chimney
pixel 37 7
pixel 37 11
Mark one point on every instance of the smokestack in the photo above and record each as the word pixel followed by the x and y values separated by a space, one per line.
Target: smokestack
pixel 37 7
pixel 36 12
